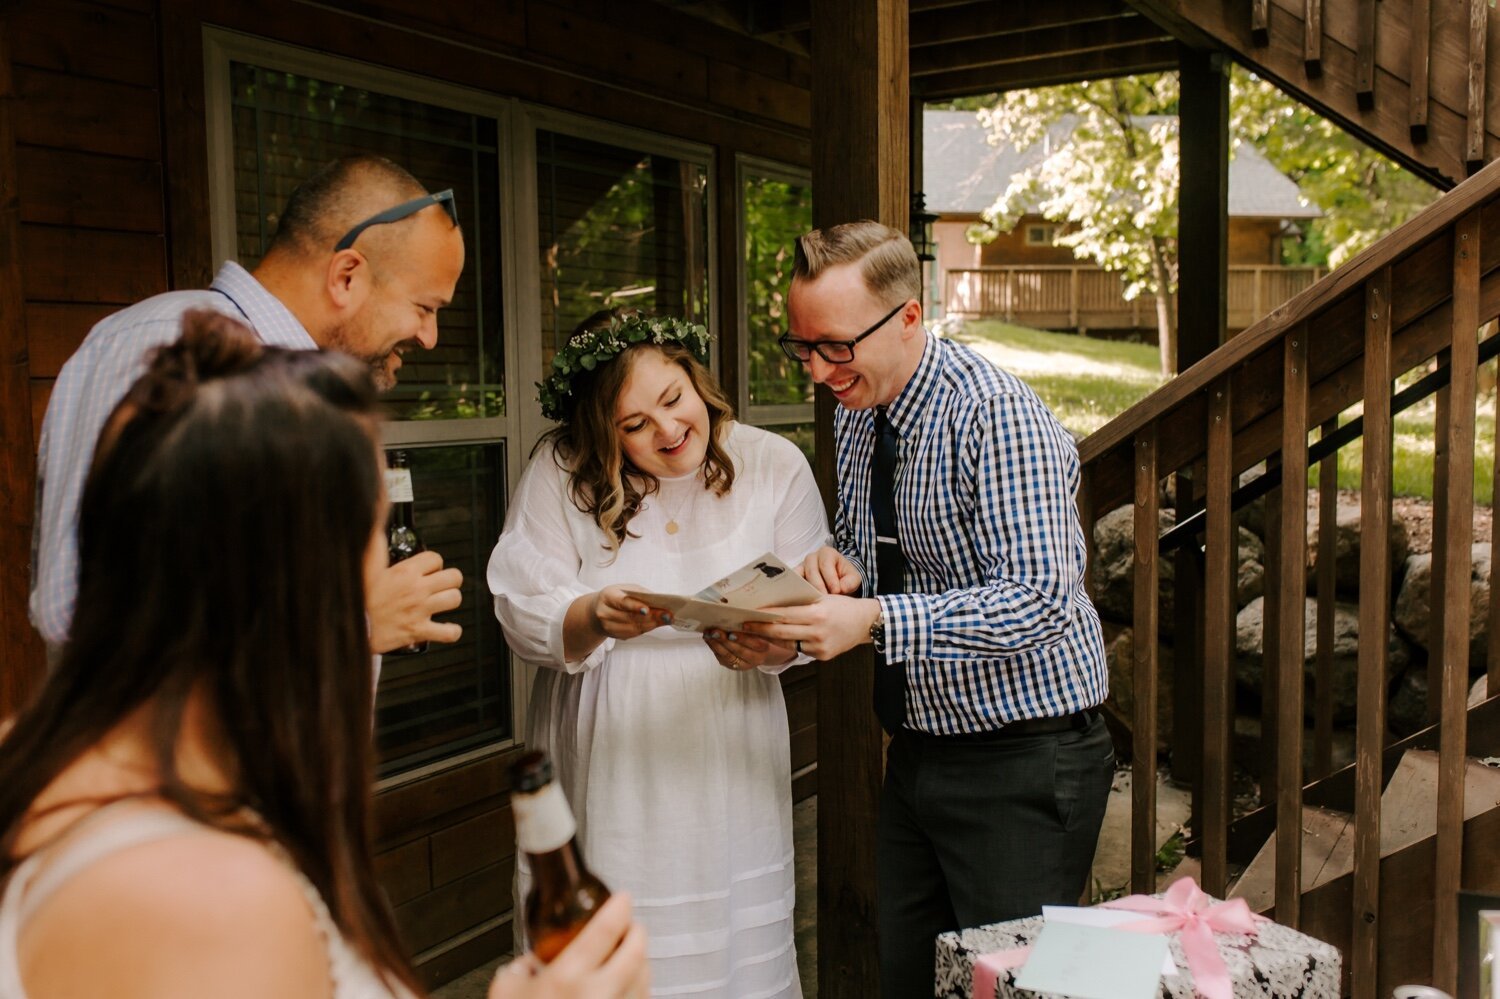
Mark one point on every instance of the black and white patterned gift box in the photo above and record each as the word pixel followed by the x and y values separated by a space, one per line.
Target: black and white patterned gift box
pixel 1272 963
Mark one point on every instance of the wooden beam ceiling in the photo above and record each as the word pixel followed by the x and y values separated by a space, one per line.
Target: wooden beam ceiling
pixel 1059 42
pixel 1142 57
pixel 985 20
pixel 964 47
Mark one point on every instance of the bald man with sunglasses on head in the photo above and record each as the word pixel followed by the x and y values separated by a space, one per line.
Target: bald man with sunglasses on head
pixel 362 260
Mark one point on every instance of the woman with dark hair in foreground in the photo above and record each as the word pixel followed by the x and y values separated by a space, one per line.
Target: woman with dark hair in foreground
pixel 185 809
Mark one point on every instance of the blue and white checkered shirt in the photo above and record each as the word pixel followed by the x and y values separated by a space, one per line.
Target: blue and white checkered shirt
pixel 994 625
pixel 89 386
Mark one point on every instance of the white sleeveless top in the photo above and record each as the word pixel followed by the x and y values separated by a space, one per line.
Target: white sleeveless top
pixel 40 875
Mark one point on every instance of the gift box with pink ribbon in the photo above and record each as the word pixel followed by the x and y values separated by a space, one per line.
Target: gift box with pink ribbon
pixel 1221 949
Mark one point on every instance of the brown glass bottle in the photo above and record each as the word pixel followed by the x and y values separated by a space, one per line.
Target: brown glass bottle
pixel 403 539
pixel 564 895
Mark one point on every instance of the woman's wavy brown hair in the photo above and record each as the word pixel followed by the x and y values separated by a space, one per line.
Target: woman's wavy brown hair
pixel 601 480
pixel 222 535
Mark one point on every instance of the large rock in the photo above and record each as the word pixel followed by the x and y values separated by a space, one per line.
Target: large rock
pixel 1120 653
pixel 1114 568
pixel 1413 611
pixel 1407 710
pixel 1347 537
pixel 1250 664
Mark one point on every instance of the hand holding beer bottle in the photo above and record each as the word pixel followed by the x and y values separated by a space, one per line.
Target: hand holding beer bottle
pixel 607 960
pixel 572 952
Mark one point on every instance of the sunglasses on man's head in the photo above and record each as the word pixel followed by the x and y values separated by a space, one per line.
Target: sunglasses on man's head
pixel 401 211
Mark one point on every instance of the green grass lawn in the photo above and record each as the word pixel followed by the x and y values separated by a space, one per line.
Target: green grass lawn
pixel 1087 382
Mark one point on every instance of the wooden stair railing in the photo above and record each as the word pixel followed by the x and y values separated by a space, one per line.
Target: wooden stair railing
pixel 1418 295
pixel 1411 79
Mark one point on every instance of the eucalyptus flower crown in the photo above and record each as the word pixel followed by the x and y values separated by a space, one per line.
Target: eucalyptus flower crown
pixel 587 350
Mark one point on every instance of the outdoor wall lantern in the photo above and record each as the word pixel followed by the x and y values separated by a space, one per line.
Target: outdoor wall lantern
pixel 921 227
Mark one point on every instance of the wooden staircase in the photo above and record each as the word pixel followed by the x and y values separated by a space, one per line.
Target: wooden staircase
pixel 1414 78
pixel 1412 304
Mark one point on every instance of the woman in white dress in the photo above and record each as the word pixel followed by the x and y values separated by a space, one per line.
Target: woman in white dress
pixel 672 746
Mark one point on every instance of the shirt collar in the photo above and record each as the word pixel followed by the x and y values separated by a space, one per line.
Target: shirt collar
pixel 272 321
pixel 903 410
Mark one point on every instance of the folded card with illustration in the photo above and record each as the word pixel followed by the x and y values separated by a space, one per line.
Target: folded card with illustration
pixel 728 603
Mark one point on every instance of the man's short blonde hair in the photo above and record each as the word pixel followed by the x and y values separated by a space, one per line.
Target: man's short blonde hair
pixel 887 260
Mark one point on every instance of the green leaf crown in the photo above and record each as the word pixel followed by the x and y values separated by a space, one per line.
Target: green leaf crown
pixel 586 351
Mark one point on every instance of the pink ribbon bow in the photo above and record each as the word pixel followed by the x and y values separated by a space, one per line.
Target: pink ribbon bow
pixel 1195 917
pixel 1185 909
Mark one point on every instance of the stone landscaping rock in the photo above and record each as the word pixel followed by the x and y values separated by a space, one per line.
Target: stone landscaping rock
pixel 1414 602
pixel 1114 568
pixel 1249 659
pixel 1346 543
pixel 1407 710
pixel 1120 654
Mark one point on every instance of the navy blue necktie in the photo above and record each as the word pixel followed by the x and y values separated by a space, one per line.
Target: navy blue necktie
pixel 890 566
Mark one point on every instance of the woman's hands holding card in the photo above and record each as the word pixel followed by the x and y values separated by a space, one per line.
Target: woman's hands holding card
pixel 738 651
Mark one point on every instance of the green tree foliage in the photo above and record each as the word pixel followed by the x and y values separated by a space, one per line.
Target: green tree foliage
pixel 1363 194
pixel 1112 179
pixel 776 213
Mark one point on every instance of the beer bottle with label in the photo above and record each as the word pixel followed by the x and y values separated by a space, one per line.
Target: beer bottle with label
pixel 563 895
pixel 404 542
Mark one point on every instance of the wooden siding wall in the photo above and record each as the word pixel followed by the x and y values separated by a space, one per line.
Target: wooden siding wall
pixel 111 160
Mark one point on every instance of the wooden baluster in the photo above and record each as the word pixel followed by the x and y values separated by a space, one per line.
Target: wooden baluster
pixel 1492 669
pixel 1364 55
pixel 1328 500
pixel 1291 631
pixel 1143 742
pixel 1421 57
pixel 1270 747
pixel 1088 517
pixel 1374 625
pixel 1260 22
pixel 1312 38
pixel 1479 19
pixel 1218 639
pixel 1455 611
pixel 1441 551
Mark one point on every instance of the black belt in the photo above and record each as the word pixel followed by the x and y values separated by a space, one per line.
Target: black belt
pixel 1078 721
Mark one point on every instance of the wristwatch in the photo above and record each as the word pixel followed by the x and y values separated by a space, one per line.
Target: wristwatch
pixel 877 631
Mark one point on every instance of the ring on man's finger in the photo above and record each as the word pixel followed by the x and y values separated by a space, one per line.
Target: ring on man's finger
pixel 799 646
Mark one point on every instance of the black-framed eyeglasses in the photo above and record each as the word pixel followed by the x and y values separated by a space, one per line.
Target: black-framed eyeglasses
pixel 401 211
pixel 832 351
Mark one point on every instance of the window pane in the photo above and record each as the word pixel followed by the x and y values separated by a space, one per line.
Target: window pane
pixel 776 212
pixel 286 126
pixel 618 227
pixel 451 697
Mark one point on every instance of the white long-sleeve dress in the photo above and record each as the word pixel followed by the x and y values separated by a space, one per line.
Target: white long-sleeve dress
pixel 678 770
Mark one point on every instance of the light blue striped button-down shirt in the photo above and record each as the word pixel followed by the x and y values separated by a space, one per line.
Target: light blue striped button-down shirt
pixel 89 386
pixel 994 625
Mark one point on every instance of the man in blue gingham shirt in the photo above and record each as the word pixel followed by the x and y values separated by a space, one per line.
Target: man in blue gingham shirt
pixel 999 768
pixel 305 294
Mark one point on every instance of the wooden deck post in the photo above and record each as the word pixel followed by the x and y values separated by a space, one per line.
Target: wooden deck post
pixel 861 121
pixel 23 660
pixel 1459 434
pixel 1374 619
pixel 1203 279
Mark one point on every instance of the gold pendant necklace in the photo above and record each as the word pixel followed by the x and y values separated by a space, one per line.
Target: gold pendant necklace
pixel 672 526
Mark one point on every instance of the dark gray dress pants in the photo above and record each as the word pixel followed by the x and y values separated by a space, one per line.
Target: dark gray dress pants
pixel 972 833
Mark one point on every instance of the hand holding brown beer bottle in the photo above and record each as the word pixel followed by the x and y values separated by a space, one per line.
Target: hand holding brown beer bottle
pixel 564 894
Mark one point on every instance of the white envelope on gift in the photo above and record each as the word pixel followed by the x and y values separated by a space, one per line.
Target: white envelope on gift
pixel 1095 916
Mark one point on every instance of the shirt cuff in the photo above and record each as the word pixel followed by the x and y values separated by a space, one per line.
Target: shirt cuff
pixel 908 627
